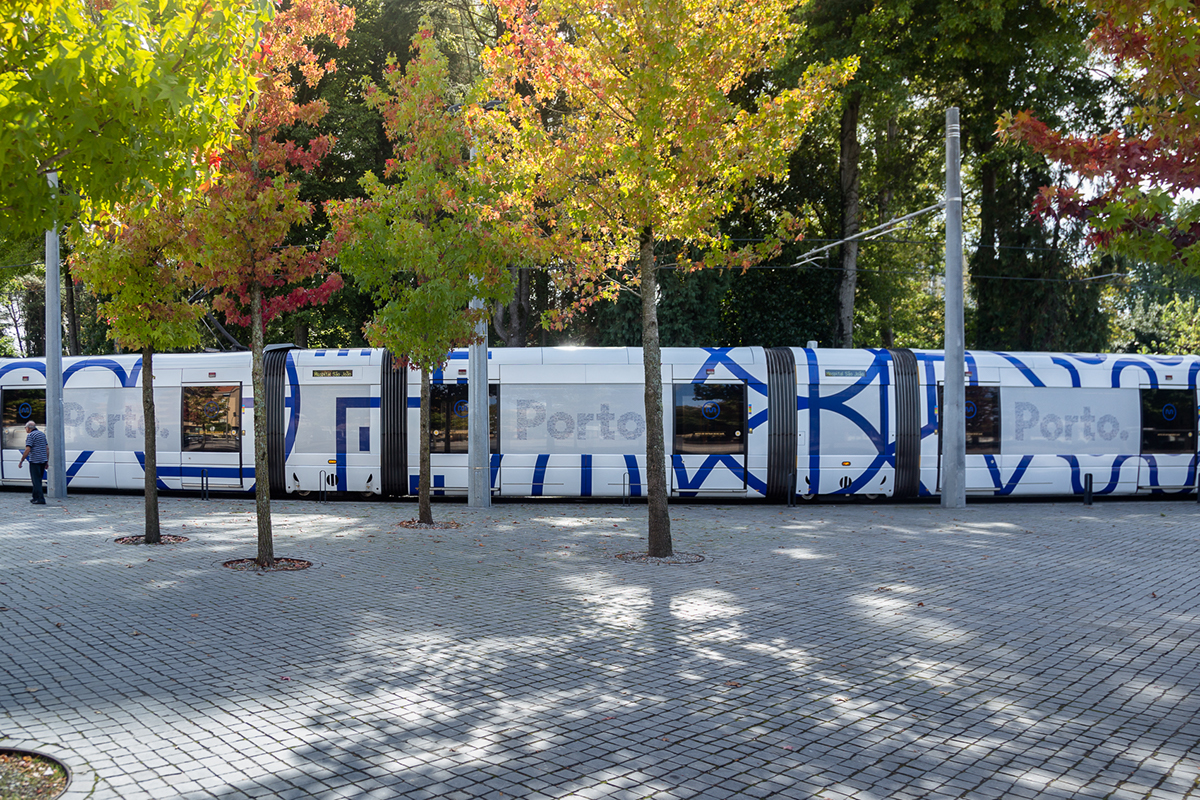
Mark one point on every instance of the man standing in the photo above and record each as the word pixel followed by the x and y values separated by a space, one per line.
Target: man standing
pixel 38 452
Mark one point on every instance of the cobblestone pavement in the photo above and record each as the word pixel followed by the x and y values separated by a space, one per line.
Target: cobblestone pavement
pixel 1020 650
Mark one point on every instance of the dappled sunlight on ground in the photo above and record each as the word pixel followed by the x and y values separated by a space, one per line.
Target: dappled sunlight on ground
pixel 1038 650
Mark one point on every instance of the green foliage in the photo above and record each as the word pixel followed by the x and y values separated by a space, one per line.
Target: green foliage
pixel 114 96
pixel 780 308
pixel 1029 287
pixel 426 243
pixel 133 261
pixel 689 312
pixel 988 58
pixel 1170 328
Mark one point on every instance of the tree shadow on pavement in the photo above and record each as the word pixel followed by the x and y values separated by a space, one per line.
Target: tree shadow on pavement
pixel 1020 651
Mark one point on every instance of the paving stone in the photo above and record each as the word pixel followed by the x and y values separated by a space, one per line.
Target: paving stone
pixel 795 660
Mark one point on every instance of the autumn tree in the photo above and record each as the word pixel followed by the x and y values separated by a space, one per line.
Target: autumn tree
pixel 239 224
pixel 115 94
pixel 132 259
pixel 381 29
pixel 1138 178
pixel 622 132
pixel 429 237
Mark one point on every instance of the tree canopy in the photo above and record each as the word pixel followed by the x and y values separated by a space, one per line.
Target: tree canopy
pixel 430 236
pixel 132 260
pixel 630 124
pixel 1139 175
pixel 115 96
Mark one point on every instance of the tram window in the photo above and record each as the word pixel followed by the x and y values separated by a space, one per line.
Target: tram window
pixel 212 419
pixel 1168 421
pixel 20 406
pixel 982 410
pixel 448 417
pixel 710 418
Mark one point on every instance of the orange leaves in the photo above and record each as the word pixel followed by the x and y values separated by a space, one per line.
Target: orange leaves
pixel 628 123
pixel 1142 169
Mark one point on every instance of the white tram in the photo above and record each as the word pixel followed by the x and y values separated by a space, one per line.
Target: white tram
pixel 741 422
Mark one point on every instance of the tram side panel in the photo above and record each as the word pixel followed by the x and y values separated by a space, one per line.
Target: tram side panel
pixel 575 425
pixel 1040 424
pixel 846 438
pixel 331 421
pixel 105 436
pixel 103 423
pixel 1052 437
pixel 102 427
pixel 717 417
pixel 576 430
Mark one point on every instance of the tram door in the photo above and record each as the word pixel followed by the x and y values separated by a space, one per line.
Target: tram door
pixel 1168 440
pixel 212 437
pixel 981 406
pixel 709 442
pixel 18 407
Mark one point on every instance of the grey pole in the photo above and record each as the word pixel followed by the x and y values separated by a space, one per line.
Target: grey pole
pixel 479 492
pixel 54 380
pixel 479 483
pixel 954 421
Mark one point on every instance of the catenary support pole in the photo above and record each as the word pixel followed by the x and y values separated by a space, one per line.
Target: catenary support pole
pixel 479 492
pixel 954 422
pixel 54 382
pixel 479 440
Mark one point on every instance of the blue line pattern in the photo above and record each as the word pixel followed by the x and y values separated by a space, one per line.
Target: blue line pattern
pixel 341 405
pixel 635 476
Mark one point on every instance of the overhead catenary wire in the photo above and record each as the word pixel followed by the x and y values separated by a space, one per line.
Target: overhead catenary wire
pixel 930 272
pixel 870 233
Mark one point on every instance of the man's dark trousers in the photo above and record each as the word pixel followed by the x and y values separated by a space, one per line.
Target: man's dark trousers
pixel 36 473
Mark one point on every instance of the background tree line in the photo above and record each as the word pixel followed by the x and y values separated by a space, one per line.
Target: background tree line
pixel 874 155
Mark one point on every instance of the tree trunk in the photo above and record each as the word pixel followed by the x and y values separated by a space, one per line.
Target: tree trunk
pixel 512 320
pixel 153 534
pixel 887 158
pixel 33 303
pixel 851 218
pixel 262 484
pixel 424 509
pixel 13 307
pixel 988 293
pixel 300 334
pixel 885 155
pixel 72 314
pixel 659 530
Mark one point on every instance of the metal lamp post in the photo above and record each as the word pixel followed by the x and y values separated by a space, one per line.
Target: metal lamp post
pixel 479 486
pixel 54 376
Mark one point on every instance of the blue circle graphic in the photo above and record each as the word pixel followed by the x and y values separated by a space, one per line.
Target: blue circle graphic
pixel 970 409
pixel 24 410
pixel 711 410
pixel 460 408
pixel 1169 412
pixel 212 408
